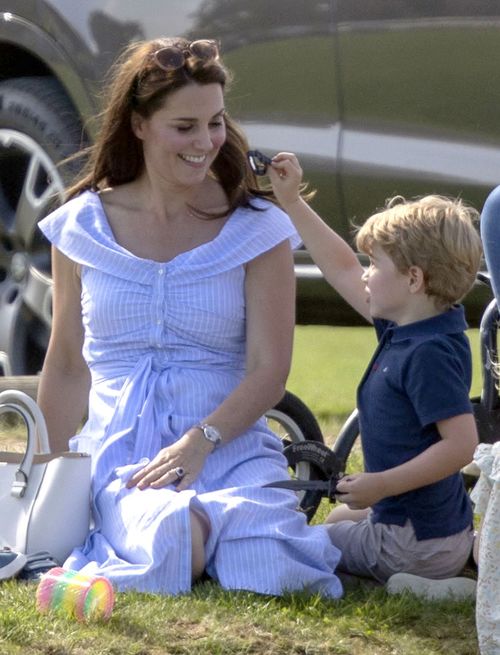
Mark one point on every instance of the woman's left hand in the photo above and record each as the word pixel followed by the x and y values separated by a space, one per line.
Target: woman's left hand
pixel 186 456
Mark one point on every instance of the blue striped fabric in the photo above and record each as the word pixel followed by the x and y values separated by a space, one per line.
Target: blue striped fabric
pixel 165 344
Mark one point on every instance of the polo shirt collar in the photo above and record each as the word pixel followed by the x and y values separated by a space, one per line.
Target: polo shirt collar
pixel 450 322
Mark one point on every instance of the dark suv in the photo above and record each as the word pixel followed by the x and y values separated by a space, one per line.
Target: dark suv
pixel 377 97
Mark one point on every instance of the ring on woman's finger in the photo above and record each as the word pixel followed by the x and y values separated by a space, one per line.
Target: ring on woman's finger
pixel 179 472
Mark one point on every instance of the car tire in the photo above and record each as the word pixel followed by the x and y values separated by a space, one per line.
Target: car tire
pixel 39 127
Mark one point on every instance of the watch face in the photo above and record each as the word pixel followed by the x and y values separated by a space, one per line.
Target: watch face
pixel 212 433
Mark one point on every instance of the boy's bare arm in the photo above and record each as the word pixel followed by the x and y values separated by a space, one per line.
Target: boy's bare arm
pixel 335 258
pixel 455 449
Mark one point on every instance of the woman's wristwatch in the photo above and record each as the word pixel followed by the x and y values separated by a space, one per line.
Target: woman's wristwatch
pixel 211 433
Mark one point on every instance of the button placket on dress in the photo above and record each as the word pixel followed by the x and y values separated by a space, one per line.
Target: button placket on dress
pixel 157 306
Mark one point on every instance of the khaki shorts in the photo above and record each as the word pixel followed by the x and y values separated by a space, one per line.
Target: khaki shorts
pixel 377 550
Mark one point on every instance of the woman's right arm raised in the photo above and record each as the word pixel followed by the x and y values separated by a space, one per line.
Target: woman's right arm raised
pixel 65 380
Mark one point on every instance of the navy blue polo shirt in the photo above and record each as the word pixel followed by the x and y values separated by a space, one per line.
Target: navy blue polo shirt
pixel 420 374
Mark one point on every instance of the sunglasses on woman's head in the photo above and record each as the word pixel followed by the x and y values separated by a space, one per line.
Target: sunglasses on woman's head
pixel 173 57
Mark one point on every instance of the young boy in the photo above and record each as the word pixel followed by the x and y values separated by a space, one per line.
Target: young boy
pixel 409 510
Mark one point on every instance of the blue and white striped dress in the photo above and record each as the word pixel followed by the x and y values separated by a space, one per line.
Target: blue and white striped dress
pixel 165 344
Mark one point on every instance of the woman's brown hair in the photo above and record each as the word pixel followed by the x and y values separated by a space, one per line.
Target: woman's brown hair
pixel 137 84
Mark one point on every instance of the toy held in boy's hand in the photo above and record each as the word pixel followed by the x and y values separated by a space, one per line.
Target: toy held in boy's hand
pixel 85 597
pixel 258 162
pixel 325 461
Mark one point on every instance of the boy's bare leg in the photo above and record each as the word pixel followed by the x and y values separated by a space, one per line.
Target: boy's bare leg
pixel 343 513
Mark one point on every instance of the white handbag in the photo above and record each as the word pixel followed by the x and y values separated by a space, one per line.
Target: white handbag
pixel 44 496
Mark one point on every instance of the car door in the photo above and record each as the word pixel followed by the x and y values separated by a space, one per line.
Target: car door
pixel 420 99
pixel 284 95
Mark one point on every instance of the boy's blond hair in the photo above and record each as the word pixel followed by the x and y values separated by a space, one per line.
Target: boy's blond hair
pixel 435 233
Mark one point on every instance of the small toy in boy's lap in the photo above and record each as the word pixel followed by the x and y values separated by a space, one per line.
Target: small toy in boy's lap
pixel 85 597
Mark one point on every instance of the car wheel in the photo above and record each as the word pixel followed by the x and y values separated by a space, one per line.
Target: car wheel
pixel 38 128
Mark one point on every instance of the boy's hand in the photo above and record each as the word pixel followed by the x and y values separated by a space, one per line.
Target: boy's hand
pixel 285 174
pixel 361 490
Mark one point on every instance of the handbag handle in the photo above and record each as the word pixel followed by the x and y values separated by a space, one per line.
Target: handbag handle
pixel 22 404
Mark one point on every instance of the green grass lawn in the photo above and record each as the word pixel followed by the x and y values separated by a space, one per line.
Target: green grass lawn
pixel 327 364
